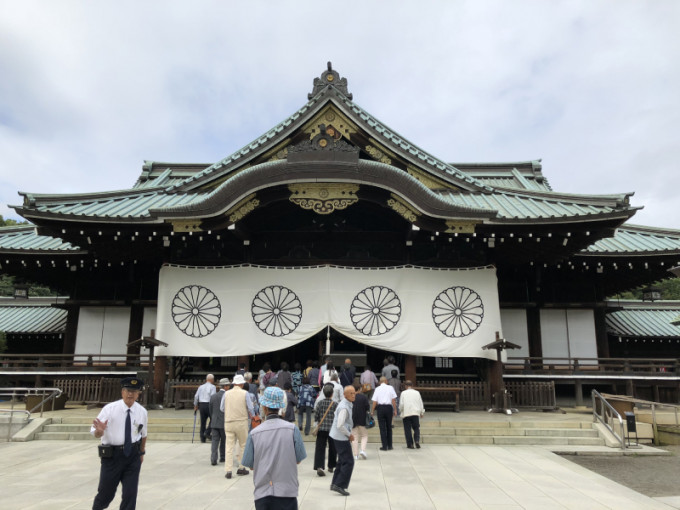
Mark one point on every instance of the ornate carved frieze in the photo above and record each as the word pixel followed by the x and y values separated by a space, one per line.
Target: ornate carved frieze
pixel 378 155
pixel 403 208
pixel 337 124
pixel 245 206
pixel 428 181
pixel 187 225
pixel 280 154
pixel 460 227
pixel 323 198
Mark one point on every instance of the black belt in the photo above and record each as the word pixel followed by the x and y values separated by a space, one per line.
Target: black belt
pixel 121 447
pixel 385 405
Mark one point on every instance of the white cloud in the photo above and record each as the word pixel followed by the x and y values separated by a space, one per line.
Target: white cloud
pixel 89 90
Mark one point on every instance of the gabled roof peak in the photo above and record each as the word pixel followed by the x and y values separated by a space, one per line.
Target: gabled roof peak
pixel 330 78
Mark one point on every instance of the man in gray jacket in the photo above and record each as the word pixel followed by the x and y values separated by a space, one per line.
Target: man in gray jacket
pixel 341 434
pixel 217 423
pixel 273 451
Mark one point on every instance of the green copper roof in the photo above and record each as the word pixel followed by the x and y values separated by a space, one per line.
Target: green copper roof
pixel 32 319
pixel 518 206
pixel 24 238
pixel 637 239
pixel 648 323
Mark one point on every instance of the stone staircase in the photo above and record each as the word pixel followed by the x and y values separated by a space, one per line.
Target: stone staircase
pixel 441 431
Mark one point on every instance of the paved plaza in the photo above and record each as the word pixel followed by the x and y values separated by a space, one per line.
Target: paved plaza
pixel 55 475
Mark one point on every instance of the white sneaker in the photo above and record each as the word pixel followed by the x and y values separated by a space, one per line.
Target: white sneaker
pixel 362 454
pixel 356 457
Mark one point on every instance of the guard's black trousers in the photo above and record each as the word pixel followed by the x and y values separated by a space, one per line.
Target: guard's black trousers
pixel 115 470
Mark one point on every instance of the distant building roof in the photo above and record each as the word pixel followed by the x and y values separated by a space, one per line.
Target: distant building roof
pixel 644 320
pixel 31 316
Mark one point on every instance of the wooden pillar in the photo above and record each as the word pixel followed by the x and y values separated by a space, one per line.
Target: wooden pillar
pixel 495 376
pixel 601 338
pixel 71 332
pixel 136 327
pixel 534 332
pixel 159 370
pixel 578 392
pixel 242 359
pixel 410 368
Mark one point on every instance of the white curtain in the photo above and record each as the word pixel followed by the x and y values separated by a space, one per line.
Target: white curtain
pixel 241 310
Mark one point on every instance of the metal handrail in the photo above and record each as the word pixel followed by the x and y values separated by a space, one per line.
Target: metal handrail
pixel 608 412
pixel 15 392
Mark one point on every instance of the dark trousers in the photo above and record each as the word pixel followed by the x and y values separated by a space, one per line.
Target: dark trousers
pixel 308 411
pixel 411 422
pixel 204 410
pixel 276 503
pixel 219 439
pixel 385 413
pixel 115 470
pixel 320 451
pixel 343 473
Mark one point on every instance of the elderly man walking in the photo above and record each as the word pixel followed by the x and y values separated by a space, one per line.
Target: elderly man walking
pixel 411 409
pixel 273 451
pixel 385 399
pixel 202 402
pixel 341 434
pixel 217 423
pixel 238 409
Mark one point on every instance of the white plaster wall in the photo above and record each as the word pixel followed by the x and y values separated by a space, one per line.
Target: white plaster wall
pixel 514 323
pixel 103 330
pixel 568 333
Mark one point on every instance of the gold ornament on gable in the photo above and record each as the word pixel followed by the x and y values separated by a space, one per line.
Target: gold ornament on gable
pixel 244 207
pixel 460 227
pixel 324 198
pixel 403 209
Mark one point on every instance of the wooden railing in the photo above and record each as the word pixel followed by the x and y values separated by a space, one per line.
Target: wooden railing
pixel 72 362
pixel 653 367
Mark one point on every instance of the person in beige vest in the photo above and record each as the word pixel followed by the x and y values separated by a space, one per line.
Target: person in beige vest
pixel 238 409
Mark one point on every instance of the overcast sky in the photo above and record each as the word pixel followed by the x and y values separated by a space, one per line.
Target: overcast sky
pixel 89 90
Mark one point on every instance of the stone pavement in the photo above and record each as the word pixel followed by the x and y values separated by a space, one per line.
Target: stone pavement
pixel 58 475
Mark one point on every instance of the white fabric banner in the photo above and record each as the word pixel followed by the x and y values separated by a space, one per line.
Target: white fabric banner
pixel 242 310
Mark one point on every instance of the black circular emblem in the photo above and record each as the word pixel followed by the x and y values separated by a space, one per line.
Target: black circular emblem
pixel 276 310
pixel 375 310
pixel 196 311
pixel 457 311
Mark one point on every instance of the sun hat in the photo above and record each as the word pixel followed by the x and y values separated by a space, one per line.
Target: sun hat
pixel 238 379
pixel 273 398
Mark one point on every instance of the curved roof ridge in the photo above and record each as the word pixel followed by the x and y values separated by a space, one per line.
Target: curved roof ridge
pixel 395 138
pixel 249 147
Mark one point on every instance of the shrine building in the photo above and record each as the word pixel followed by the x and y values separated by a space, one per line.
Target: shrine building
pixel 331 232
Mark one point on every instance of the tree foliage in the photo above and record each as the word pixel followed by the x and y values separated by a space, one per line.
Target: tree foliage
pixel 670 290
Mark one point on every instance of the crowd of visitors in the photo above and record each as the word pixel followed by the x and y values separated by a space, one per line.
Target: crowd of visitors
pixel 334 404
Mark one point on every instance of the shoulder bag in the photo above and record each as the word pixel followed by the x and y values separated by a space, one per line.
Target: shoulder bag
pixel 315 431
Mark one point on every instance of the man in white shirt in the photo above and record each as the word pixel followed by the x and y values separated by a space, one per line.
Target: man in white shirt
pixel 122 427
pixel 202 403
pixel 411 409
pixel 385 399
pixel 338 391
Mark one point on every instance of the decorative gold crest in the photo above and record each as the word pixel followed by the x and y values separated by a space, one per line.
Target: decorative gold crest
pixel 323 198
pixel 460 227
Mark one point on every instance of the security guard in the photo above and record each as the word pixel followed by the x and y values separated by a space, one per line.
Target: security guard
pixel 122 427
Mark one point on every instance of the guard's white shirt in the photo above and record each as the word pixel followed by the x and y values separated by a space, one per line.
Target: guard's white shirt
pixel 411 403
pixel 204 392
pixel 115 414
pixel 384 394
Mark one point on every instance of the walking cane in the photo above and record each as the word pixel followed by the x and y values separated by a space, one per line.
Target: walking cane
pixel 194 432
